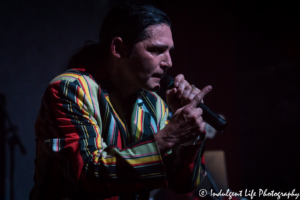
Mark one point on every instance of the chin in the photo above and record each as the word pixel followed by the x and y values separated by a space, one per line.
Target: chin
pixel 152 85
pixel 156 88
pixel 152 88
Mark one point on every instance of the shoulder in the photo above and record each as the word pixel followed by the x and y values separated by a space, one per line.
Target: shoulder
pixel 76 87
pixel 75 77
pixel 74 83
pixel 79 76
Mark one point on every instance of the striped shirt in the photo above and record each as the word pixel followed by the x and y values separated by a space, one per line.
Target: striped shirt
pixel 85 151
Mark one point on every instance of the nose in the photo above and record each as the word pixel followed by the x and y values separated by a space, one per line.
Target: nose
pixel 167 61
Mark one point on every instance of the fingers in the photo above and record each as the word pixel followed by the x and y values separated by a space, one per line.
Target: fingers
pixel 198 98
pixel 194 114
pixel 187 122
pixel 181 84
pixel 190 96
pixel 171 93
pixel 199 127
pixel 177 79
pixel 183 87
pixel 200 124
pixel 186 92
pixel 202 127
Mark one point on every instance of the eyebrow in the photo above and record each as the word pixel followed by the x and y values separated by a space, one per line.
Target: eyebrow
pixel 163 46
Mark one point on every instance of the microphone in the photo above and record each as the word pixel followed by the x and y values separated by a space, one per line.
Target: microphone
pixel 218 123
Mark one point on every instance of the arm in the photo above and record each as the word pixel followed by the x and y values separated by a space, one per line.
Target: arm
pixel 187 170
pixel 74 136
pixel 185 166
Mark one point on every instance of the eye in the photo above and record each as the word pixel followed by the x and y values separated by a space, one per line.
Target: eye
pixel 156 50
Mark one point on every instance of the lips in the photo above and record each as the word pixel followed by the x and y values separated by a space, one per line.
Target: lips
pixel 158 75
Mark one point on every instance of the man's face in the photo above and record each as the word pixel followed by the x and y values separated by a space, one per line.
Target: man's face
pixel 150 59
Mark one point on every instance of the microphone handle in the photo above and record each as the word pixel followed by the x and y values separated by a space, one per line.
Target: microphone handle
pixel 212 118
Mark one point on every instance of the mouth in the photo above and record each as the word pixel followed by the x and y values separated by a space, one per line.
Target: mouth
pixel 158 75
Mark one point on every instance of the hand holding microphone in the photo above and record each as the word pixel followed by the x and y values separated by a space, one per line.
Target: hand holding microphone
pixel 210 117
pixel 185 125
pixel 187 122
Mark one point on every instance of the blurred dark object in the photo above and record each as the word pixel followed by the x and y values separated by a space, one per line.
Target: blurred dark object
pixel 10 135
pixel 2 147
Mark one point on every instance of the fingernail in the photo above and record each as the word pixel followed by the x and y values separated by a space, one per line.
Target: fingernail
pixel 176 84
pixel 209 88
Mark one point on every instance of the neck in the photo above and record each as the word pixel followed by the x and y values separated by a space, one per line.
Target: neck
pixel 122 88
pixel 122 98
pixel 123 92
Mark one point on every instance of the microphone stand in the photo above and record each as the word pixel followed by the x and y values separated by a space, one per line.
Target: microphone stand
pixel 13 140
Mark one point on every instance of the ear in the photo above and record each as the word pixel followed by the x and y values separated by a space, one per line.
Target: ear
pixel 118 48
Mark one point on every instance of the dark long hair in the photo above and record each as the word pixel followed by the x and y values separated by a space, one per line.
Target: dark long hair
pixel 127 21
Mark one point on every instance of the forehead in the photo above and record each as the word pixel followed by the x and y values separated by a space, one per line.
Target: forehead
pixel 159 34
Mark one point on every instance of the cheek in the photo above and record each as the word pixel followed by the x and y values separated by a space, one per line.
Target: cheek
pixel 143 65
pixel 148 65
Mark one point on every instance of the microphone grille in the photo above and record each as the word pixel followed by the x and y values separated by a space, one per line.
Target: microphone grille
pixel 166 82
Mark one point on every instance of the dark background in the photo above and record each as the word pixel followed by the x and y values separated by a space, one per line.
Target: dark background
pixel 247 50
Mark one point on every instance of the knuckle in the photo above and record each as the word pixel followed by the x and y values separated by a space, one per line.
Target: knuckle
pixel 188 88
pixel 203 125
pixel 186 110
pixel 198 97
pixel 201 130
pixel 187 92
pixel 182 83
pixel 200 111
pixel 196 91
pixel 178 78
pixel 200 120
pixel 190 98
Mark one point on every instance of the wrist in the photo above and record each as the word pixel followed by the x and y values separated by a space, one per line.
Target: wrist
pixel 163 141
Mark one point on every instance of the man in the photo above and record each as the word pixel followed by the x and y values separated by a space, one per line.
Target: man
pixel 103 133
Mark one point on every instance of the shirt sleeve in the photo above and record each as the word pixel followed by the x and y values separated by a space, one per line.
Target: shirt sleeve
pixel 184 165
pixel 69 132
